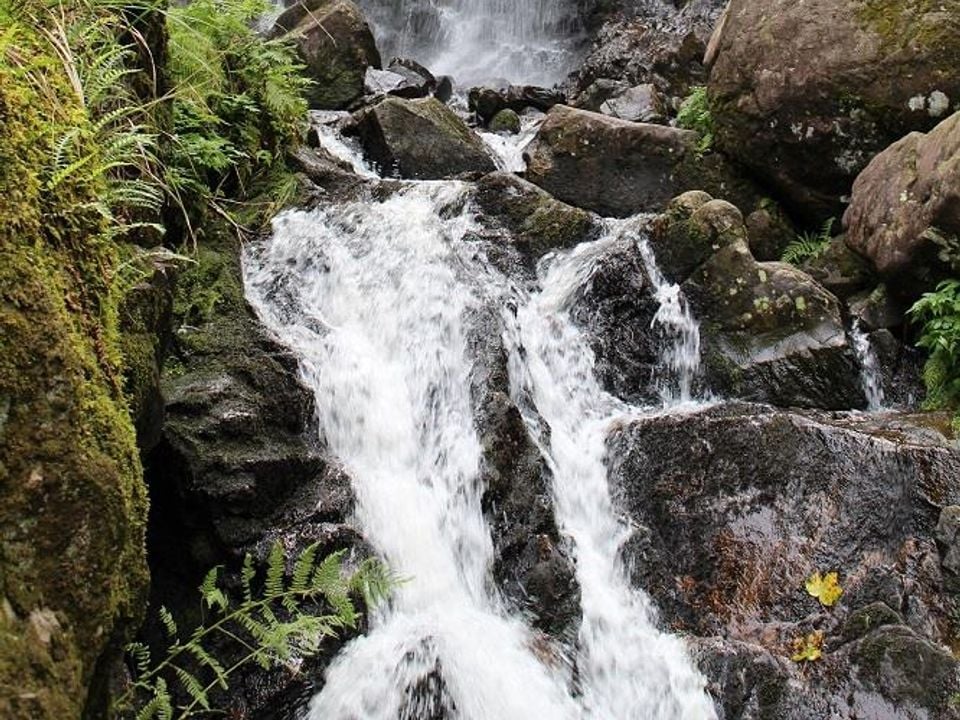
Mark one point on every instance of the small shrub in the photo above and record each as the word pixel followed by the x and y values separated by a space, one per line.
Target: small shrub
pixel 694 114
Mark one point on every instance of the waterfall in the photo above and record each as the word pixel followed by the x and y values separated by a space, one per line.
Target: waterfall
pixel 373 297
pixel 476 41
pixel 870 378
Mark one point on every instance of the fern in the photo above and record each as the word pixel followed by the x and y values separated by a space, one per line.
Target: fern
pixel 810 245
pixel 275 627
pixel 938 314
pixel 694 114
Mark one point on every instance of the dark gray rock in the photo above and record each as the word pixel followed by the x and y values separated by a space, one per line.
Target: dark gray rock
pixel 948 540
pixel 736 505
pixel 536 576
pixel 488 101
pixel 420 139
pixel 769 231
pixel 336 46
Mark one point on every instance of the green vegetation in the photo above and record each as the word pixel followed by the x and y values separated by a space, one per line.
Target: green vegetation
pixel 809 245
pixel 938 313
pixel 286 621
pixel 695 114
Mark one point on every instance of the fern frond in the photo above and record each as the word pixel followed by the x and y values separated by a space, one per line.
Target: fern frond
pixel 274 585
pixel 193 687
pixel 169 624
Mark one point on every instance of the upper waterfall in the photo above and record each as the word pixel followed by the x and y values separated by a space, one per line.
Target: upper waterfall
pixel 477 41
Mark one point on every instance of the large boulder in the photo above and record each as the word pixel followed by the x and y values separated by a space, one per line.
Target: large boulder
pixel 769 331
pixel 619 168
pixel 735 506
pixel 520 214
pixel 336 45
pixel 801 92
pixel 420 139
pixel 904 214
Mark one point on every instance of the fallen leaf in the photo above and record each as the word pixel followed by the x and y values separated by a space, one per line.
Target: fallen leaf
pixel 825 588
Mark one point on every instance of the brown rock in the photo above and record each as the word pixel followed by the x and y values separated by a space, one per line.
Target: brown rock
pixel 802 93
pixel 904 215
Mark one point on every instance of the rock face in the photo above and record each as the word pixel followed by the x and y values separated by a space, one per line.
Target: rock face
pixel 737 505
pixel 792 82
pixel 240 463
pixel 642 103
pixel 420 139
pixel 904 214
pixel 336 46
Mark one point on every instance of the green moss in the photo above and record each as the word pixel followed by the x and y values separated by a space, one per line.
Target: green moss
pixel 927 24
pixel 73 574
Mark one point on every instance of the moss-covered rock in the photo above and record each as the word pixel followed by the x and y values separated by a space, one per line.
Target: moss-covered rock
pixel 534 221
pixel 337 47
pixel 420 139
pixel 506 121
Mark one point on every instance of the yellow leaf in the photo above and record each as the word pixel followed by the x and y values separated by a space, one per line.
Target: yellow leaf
pixel 808 648
pixel 825 588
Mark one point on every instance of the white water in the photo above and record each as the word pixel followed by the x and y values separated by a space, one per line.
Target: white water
pixel 870 378
pixel 372 297
pixel 507 149
pixel 475 41
pixel 628 669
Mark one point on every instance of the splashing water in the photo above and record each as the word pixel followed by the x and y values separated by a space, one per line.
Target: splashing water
pixel 870 378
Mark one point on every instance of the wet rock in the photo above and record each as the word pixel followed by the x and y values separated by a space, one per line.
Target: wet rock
pixel 507 121
pixel 904 214
pixel 403 78
pixel 420 139
pixel 901 369
pixel 534 574
pixel 488 101
pixel 877 309
pixel 616 309
pixel 240 464
pixel 522 215
pixel 736 505
pixel 642 103
pixel 792 82
pixel 948 540
pixel 336 45
pixel 619 168
pixel 769 231
pixel 444 90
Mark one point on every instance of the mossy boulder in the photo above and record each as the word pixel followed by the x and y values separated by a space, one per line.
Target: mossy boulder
pixel 533 221
pixel 801 93
pixel 506 121
pixel 336 45
pixel 420 139
pixel 618 168
pixel 693 227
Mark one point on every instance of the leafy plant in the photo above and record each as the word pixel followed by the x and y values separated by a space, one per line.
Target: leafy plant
pixel 275 626
pixel 938 313
pixel 809 245
pixel 825 588
pixel 694 114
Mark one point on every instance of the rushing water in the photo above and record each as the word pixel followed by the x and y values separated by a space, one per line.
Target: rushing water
pixel 476 41
pixel 374 297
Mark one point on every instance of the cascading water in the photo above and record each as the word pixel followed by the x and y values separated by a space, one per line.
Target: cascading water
pixel 373 298
pixel 477 41
pixel 870 378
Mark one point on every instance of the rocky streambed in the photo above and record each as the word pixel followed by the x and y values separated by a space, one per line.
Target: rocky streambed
pixel 584 405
